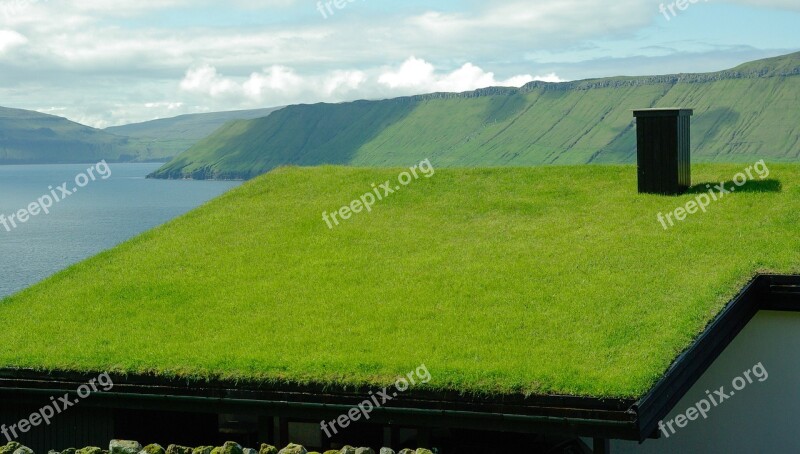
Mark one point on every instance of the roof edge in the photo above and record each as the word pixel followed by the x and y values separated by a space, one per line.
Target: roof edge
pixel 627 419
pixel 763 292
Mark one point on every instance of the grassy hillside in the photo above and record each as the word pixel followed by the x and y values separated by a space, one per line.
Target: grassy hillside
pixel 28 137
pixel 741 115
pixel 175 135
pixel 534 280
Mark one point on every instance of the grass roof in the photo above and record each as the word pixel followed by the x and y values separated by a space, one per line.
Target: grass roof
pixel 524 280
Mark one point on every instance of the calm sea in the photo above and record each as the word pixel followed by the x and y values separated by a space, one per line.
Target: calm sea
pixel 95 218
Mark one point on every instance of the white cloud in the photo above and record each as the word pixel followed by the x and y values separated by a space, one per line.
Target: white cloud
pixel 164 105
pixel 205 80
pixel 128 8
pixel 111 62
pixel 277 79
pixel 340 83
pixel 413 73
pixel 569 20
pixel 123 8
pixel 552 78
pixel 274 85
pixel 283 85
pixel 10 39
pixel 418 76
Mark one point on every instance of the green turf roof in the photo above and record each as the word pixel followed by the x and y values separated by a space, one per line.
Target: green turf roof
pixel 535 280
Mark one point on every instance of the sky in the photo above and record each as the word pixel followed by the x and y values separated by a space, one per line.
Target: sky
pixel 110 62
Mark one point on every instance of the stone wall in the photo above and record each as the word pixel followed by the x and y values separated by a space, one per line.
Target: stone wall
pixel 133 447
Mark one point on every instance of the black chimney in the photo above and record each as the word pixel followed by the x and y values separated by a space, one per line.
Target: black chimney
pixel 663 150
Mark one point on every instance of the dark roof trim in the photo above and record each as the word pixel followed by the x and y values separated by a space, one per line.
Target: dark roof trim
pixel 783 294
pixel 693 363
pixel 764 292
pixel 566 415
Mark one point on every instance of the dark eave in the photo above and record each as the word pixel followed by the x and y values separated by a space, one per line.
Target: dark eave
pixel 565 415
pixel 607 418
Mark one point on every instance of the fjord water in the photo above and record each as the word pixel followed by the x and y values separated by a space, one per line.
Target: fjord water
pixel 95 218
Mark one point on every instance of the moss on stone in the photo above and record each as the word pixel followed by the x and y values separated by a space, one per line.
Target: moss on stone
pixel 267 449
pixel 228 448
pixel 293 449
pixel 153 449
pixel 124 447
pixel 178 449
pixel 90 450
pixel 10 448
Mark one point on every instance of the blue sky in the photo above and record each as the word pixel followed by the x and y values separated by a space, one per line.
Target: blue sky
pixel 106 63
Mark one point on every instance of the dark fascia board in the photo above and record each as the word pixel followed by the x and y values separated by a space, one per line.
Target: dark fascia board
pixel 765 292
pixel 783 295
pixel 693 363
pixel 565 415
pixel 627 419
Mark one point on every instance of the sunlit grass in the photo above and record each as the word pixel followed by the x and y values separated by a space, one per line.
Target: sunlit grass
pixel 535 280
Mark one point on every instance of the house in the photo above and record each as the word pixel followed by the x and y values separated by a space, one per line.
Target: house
pixel 547 307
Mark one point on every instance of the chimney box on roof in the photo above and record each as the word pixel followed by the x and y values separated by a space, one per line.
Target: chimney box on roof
pixel 663 150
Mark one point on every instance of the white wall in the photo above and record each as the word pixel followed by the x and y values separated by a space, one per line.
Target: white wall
pixel 763 417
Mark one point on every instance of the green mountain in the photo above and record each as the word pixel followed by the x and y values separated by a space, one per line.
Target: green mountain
pixel 172 136
pixel 741 115
pixel 28 137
